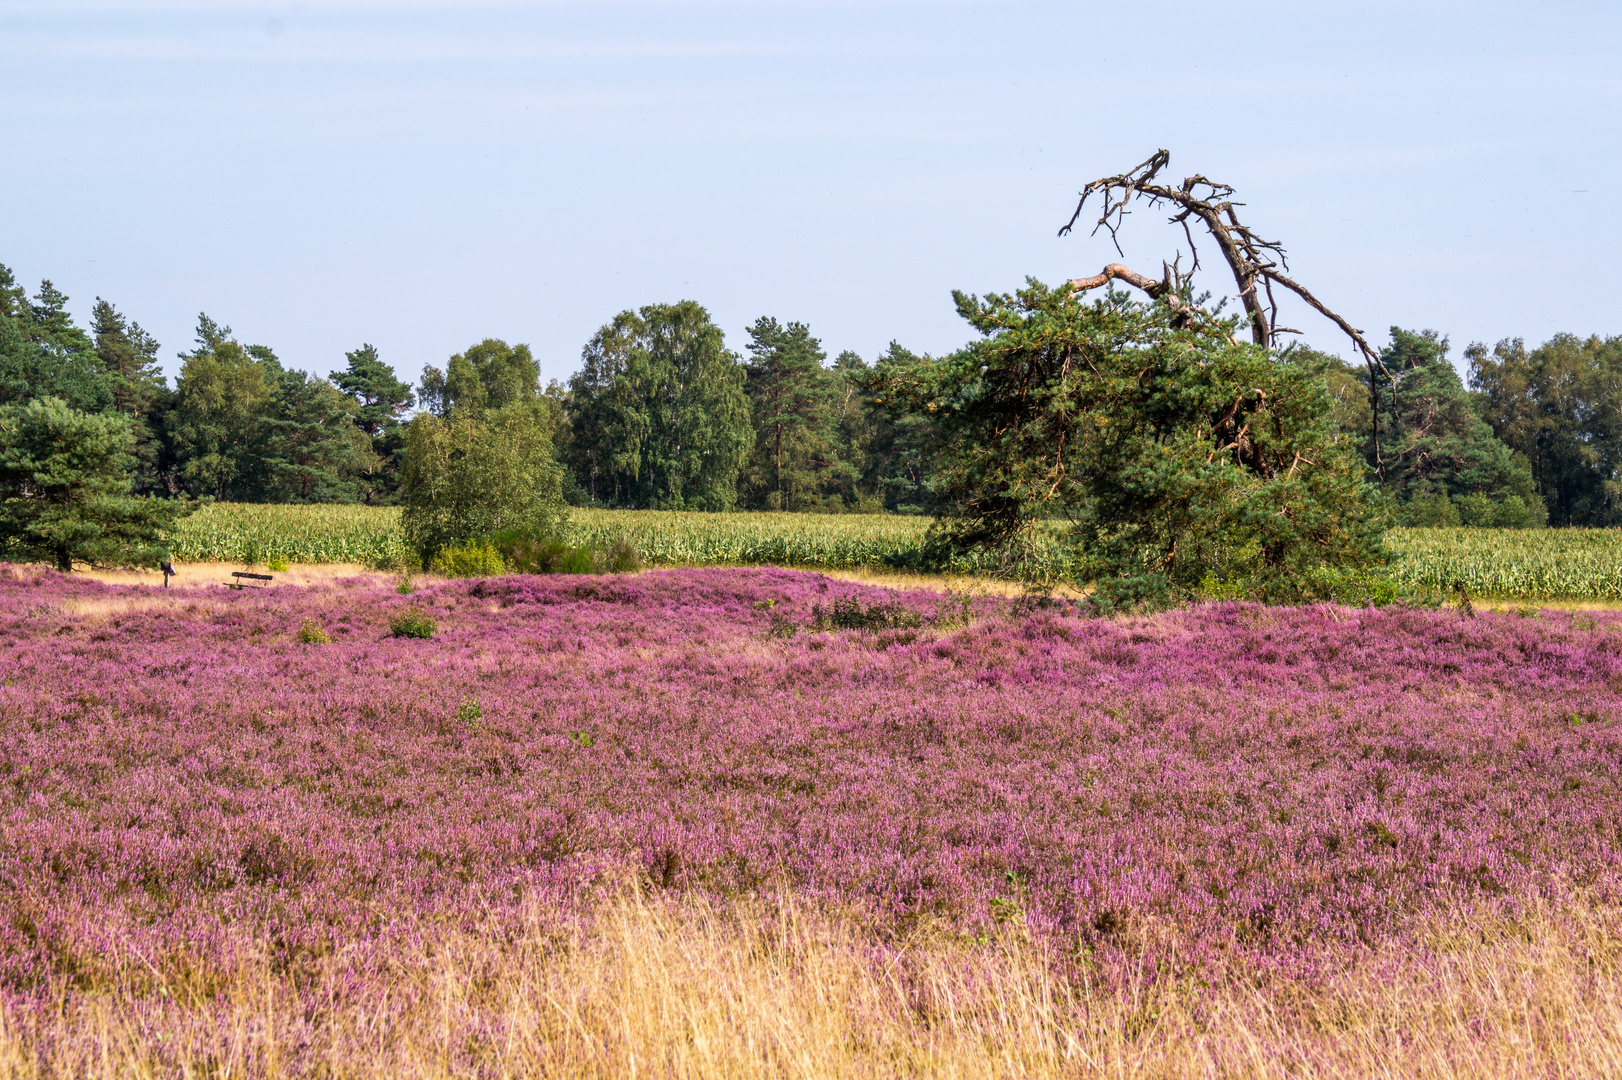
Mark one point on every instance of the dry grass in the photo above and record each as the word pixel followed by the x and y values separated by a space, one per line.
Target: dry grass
pixel 685 989
pixel 942 583
pixel 208 574
pixel 200 575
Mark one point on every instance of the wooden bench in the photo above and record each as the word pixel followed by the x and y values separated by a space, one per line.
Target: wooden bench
pixel 246 580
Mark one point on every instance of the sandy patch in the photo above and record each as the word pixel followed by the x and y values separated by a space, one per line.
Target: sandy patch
pixel 207 574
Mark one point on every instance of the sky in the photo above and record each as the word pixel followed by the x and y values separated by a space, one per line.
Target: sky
pixel 421 175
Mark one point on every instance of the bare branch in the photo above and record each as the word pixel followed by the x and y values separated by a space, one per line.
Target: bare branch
pixel 1116 270
pixel 1165 287
pixel 1257 264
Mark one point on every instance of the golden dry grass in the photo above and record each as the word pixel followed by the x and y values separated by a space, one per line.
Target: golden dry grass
pixel 208 574
pixel 205 574
pixel 683 989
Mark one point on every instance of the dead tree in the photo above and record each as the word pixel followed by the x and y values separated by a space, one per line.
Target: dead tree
pixel 1258 265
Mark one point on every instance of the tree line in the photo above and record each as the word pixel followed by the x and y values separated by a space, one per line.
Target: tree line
pixel 662 414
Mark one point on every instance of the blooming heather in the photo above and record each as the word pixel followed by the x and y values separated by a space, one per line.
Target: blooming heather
pixel 179 772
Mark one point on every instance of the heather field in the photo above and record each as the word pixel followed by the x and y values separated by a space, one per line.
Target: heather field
pixel 757 822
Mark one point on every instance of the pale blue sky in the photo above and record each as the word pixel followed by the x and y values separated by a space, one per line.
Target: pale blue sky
pixel 421 175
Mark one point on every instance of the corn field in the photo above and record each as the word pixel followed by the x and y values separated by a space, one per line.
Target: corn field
pixel 370 535
pixel 1584 564
pixel 256 533
pixel 1535 564
pixel 834 541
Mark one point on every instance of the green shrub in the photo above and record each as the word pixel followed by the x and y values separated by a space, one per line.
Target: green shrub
pixel 527 552
pixel 1430 509
pixel 472 558
pixel 277 566
pixel 850 615
pixel 622 556
pixel 310 633
pixel 413 622
pixel 1515 513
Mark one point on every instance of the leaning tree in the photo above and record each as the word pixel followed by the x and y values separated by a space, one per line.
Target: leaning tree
pixel 1258 265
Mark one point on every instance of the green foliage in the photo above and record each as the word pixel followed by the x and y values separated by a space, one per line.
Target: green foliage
pixel 133 376
pixel 217 426
pixel 1435 448
pixel 657 414
pixel 311 633
pixel 43 354
pixel 1351 414
pixel 622 557
pixel 894 445
pixel 381 401
pixel 471 558
pixel 312 450
pixel 65 479
pixel 1429 508
pixel 851 615
pixel 1558 409
pixel 527 553
pixel 1169 451
pixel 244 427
pixel 412 622
pixel 468 476
pixel 791 403
pixel 489 375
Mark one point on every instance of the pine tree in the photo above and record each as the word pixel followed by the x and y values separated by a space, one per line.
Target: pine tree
pixel 897 467
pixel 65 479
pixel 382 401
pixel 218 426
pixel 789 395
pixel 129 361
pixel 382 398
pixel 1136 450
pixel 1442 460
pixel 313 449
pixel 43 353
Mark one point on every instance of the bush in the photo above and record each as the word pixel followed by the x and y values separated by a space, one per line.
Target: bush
pixel 472 558
pixel 1430 509
pixel 526 552
pixel 1517 513
pixel 850 615
pixel 622 557
pixel 278 566
pixel 474 474
pixel 413 622
pixel 310 633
